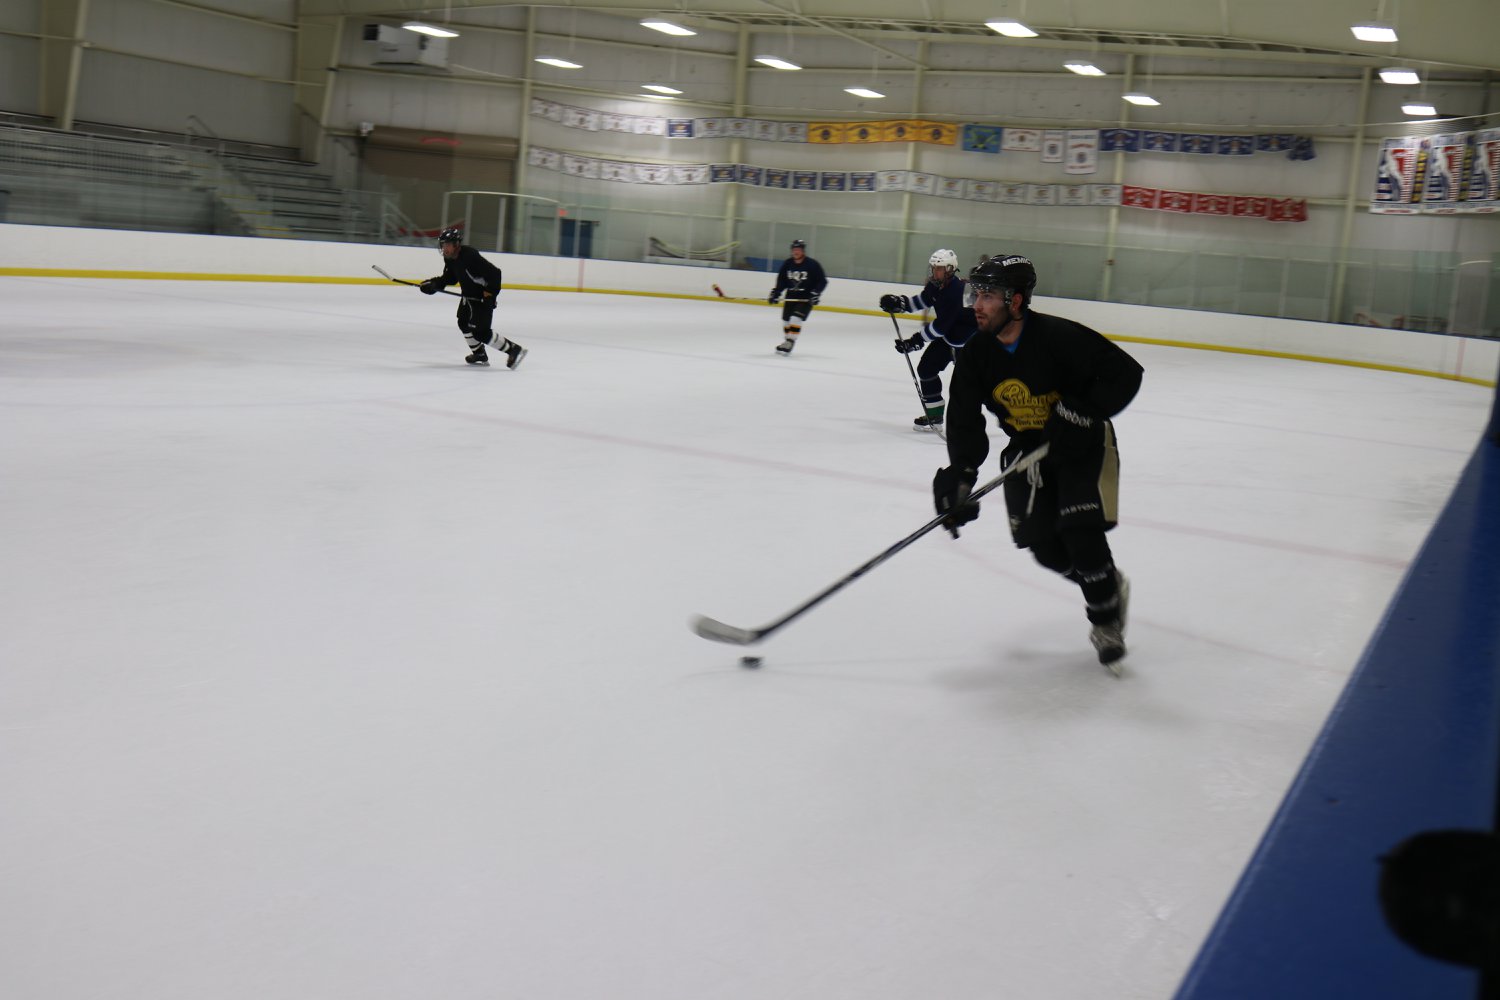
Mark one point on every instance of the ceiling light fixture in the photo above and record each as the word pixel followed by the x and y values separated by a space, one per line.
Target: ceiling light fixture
pixel 1373 32
pixel 1084 69
pixel 775 62
pixel 1419 110
pixel 1400 75
pixel 1010 28
pixel 1144 100
pixel 660 88
pixel 657 97
pixel 559 63
pixel 427 29
pixel 666 27
pixel 863 92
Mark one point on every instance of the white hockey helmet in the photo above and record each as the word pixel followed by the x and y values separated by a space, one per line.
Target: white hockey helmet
pixel 943 258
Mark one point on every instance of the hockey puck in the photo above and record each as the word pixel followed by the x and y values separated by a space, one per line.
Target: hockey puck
pixel 750 661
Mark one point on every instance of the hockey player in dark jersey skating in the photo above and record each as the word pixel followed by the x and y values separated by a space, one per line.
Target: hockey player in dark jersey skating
pixel 480 282
pixel 951 327
pixel 803 281
pixel 1051 380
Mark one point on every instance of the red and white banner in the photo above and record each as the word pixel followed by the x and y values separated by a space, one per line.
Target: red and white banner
pixel 1234 206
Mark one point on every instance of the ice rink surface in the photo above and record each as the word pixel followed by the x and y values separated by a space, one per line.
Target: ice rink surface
pixel 332 668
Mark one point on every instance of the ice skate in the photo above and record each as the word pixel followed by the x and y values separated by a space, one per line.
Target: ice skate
pixel 932 420
pixel 785 347
pixel 479 357
pixel 1109 637
pixel 514 354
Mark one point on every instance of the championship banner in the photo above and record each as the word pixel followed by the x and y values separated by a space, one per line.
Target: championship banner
pixel 722 173
pixel 1041 194
pixel 864 132
pixel 583 118
pixel 1175 201
pixel 614 170
pixel 939 133
pixel 1012 194
pixel 650 126
pixel 710 128
pixel 1159 142
pixel 1139 197
pixel 833 180
pixel 1397 174
pixel 616 123
pixel 1083 151
pixel 1195 142
pixel 1054 146
pixel 1107 195
pixel 737 128
pixel 825 132
pixel 1021 140
pixel 1447 169
pixel 793 131
pixel 679 128
pixel 580 166
pixel 890 180
pixel 1482 192
pixel 692 173
pixel 921 183
pixel 776 177
pixel 980 190
pixel 804 180
pixel 1073 195
pixel 1211 204
pixel 1287 210
pixel 899 131
pixel 652 173
pixel 746 174
pixel 982 138
pixel 1249 207
pixel 862 180
pixel 1236 145
pixel 950 187
pixel 765 131
pixel 1120 140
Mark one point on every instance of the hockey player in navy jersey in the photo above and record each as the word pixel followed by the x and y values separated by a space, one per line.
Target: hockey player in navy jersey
pixel 1047 380
pixel 950 328
pixel 803 281
pixel 480 282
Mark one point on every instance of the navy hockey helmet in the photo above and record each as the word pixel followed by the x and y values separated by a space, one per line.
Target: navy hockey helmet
pixel 799 244
pixel 450 235
pixel 1004 274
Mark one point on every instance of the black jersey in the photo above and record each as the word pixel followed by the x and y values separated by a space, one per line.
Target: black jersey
pixel 472 273
pixel 952 321
pixel 800 281
pixel 1055 359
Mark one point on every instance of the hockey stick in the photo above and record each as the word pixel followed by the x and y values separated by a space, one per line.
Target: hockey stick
pixel 914 380
pixel 418 284
pixel 730 298
pixel 710 628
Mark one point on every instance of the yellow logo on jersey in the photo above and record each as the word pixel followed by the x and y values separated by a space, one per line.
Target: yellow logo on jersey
pixel 1027 412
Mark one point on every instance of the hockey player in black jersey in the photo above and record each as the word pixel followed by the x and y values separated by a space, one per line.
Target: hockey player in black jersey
pixel 803 281
pixel 951 327
pixel 1051 380
pixel 480 282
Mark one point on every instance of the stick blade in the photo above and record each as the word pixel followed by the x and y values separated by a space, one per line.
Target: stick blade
pixel 710 628
pixel 383 272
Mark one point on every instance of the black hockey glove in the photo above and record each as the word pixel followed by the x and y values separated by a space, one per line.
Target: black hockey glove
pixel 895 304
pixel 913 343
pixel 431 286
pixel 773 297
pixel 950 494
pixel 1070 433
pixel 815 297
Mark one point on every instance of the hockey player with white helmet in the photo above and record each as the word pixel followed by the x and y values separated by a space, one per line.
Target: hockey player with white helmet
pixel 951 326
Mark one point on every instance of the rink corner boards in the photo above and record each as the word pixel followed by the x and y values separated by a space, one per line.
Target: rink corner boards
pixel 314 279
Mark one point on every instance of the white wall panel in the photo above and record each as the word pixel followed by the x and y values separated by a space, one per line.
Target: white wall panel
pixel 21 15
pixel 19 80
pixel 142 93
pixel 167 31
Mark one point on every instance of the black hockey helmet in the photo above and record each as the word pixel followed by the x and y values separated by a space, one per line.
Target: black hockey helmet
pixel 799 244
pixel 1002 273
pixel 451 235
